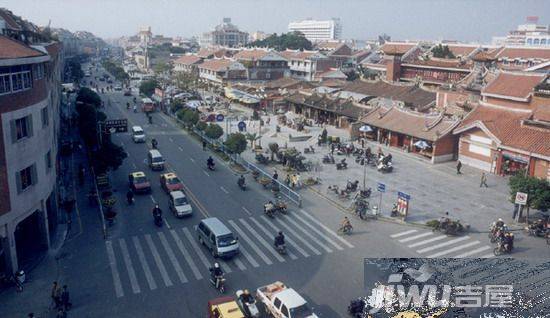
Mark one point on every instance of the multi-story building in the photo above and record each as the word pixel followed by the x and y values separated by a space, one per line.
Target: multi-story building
pixel 225 34
pixel 304 65
pixel 30 79
pixel 188 63
pixel 315 30
pixel 220 71
pixel 263 65
pixel 526 35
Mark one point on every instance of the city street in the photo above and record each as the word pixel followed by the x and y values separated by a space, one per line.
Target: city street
pixel 142 270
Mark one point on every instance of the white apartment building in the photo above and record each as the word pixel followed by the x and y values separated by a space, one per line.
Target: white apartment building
pixel 316 31
pixel 526 35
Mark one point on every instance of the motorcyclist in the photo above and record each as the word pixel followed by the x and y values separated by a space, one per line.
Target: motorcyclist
pixel 508 241
pixel 128 105
pixel 246 297
pixel 241 181
pixel 539 226
pixel 279 239
pixel 157 212
pixel 394 210
pixel 346 224
pixel 210 162
pixel 130 196
pixel 444 221
pixel 154 143
pixel 216 273
pixel 135 108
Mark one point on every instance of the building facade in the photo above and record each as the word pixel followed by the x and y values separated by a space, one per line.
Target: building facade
pixel 304 65
pixel 263 65
pixel 315 30
pixel 225 34
pixel 30 79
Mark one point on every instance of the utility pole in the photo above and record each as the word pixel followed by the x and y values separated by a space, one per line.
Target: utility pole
pixel 364 174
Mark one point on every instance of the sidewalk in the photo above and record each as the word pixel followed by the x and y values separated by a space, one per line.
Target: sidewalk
pixel 434 189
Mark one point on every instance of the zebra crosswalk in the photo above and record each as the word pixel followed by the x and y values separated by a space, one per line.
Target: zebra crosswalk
pixel 174 256
pixel 432 244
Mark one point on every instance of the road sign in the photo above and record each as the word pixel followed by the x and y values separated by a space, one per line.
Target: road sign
pixel 118 125
pixel 219 117
pixel 381 187
pixel 521 198
pixel 241 125
pixel 403 195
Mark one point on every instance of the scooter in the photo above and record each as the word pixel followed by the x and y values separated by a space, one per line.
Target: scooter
pixel 342 165
pixel 281 249
pixel 309 149
pixel 158 220
pixel 270 213
pixel 211 167
pixel 328 159
pixel 385 168
pixel 242 185
pixel 218 282
pixel 250 309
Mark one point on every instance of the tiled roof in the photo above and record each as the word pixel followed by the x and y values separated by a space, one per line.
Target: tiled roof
pixel 515 85
pixel 525 53
pixel 542 112
pixel 8 17
pixel 208 52
pixel 283 83
pixel 398 48
pixel 409 94
pixel 509 128
pixel 487 54
pixel 254 54
pixel 216 64
pixel 298 55
pixel 188 59
pixel 328 45
pixel 422 126
pixel 12 49
pixel 334 105
pixel 443 63
pixel 462 49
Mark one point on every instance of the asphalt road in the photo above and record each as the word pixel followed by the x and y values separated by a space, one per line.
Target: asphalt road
pixel 141 270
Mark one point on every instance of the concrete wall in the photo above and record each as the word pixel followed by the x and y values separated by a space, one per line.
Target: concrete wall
pixel 541 169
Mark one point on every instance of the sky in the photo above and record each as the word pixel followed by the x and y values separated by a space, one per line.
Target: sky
pixel 462 20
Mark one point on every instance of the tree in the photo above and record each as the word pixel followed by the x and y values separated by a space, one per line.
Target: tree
pixel 236 143
pixel 213 131
pixel 252 137
pixel 190 117
pixel 162 67
pixel 185 80
pixel 441 51
pixel 74 65
pixel 147 88
pixel 87 96
pixel 116 70
pixel 176 49
pixel 108 156
pixel 201 126
pixel 538 190
pixel 291 40
pixel 274 148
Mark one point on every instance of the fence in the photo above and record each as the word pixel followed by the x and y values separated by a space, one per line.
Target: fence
pixel 283 188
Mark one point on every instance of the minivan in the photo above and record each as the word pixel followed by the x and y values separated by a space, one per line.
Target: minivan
pixel 155 160
pixel 138 135
pixel 217 238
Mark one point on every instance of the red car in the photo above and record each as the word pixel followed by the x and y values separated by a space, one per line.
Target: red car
pixel 170 182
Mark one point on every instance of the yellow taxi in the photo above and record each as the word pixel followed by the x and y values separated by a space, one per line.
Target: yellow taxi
pixel 138 182
pixel 224 307
pixel 170 182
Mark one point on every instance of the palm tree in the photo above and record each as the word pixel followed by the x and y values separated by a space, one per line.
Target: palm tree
pixel 252 137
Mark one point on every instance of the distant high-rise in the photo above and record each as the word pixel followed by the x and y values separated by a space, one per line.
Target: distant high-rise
pixel 530 34
pixel 316 31
pixel 225 34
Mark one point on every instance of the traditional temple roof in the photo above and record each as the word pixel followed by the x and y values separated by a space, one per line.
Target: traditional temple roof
pixel 409 94
pixel 514 86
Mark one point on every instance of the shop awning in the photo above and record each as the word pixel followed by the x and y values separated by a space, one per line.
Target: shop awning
pixel 422 144
pixel 366 129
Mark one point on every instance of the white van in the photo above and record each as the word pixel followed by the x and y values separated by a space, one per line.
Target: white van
pixel 217 238
pixel 155 160
pixel 138 135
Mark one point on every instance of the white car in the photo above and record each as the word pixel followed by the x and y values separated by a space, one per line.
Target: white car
pixel 179 205
pixel 138 135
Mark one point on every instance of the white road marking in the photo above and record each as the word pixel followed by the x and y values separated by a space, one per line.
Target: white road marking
pixel 454 249
pixel 134 165
pixel 402 233
pixel 266 232
pixel 260 239
pixel 481 249
pixel 331 232
pixel 412 238
pixel 180 148
pixel 224 190
pixel 206 173
pixel 172 258
pixel 291 231
pixel 186 255
pixel 196 247
pixel 487 255
pixel 114 270
pixel 158 261
pixel 144 265
pixel 239 264
pixel 317 231
pixel 306 232
pixel 287 239
pixel 129 266
pixel 251 243
pixel 170 138
pixel 433 239
pixel 246 210
pixel 166 222
pixel 193 160
pixel 152 199
pixel 433 247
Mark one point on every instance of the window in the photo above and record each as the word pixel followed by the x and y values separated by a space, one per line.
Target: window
pixel 5 86
pixel 38 71
pixel 26 178
pixel 277 303
pixel 284 310
pixel 48 159
pixel 21 128
pixel 45 116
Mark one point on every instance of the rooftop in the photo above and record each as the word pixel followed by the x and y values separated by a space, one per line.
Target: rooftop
pixel 513 86
pixel 13 49
pixel 216 64
pixel 397 48
pixel 188 59
pixel 409 94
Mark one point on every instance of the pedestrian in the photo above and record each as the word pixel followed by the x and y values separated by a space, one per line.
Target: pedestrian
pixel 332 146
pixel 363 143
pixel 297 180
pixel 275 175
pixel 458 167
pixel 203 144
pixel 61 313
pixel 483 180
pixel 56 295
pixel 65 299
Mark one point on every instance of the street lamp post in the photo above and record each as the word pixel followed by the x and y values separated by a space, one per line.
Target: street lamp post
pixel 364 174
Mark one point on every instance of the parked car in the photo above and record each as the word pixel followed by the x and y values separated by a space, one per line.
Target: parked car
pixel 138 182
pixel 179 205
pixel 170 182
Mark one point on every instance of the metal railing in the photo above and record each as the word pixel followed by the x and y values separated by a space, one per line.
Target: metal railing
pixel 283 188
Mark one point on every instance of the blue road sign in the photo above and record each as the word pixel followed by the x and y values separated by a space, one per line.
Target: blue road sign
pixel 219 117
pixel 241 125
pixel 381 187
pixel 403 195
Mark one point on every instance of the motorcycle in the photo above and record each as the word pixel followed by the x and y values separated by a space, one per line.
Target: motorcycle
pixel 218 282
pixel 365 193
pixel 357 308
pixel 130 200
pixel 309 149
pixel 281 207
pixel 211 166
pixel 342 165
pixel 328 159
pixel 395 211
pixel 250 308
pixel 158 220
pixel 242 185
pixel 501 249
pixel 385 168
pixel 281 249
pixel 262 159
pixel 269 212
pixel 352 186
pixel 449 227
pixel 360 208
pixel 345 230
pixel 154 144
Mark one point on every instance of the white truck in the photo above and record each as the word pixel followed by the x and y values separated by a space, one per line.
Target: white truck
pixel 283 302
